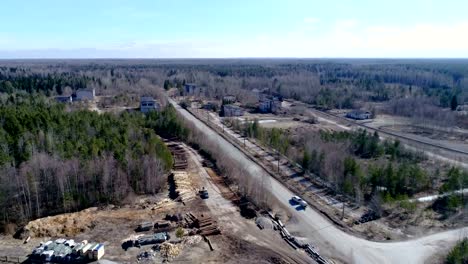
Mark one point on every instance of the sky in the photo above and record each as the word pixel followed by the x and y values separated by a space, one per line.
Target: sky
pixel 233 28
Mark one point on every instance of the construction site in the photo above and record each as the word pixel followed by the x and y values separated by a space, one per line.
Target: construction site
pixel 196 220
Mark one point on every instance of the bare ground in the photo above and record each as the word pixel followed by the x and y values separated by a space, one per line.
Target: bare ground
pixel 240 242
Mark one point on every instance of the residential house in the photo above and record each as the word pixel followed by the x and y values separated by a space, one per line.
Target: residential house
pixel 231 110
pixel 269 105
pixel 85 94
pixel 148 104
pixel 190 88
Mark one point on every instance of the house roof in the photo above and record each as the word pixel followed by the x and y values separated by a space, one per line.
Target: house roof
pixel 85 89
pixel 232 106
pixel 359 112
pixel 147 98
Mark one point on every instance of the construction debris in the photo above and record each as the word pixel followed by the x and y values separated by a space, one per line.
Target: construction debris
pixel 204 223
pixel 180 157
pixel 192 240
pixel 209 242
pixel 295 243
pixel 146 255
pixel 169 250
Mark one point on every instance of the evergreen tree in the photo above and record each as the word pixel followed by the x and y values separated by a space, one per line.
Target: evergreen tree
pixel 454 102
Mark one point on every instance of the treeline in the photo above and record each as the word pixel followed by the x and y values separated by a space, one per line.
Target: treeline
pixel 254 188
pixel 362 166
pixel 338 157
pixel 457 180
pixel 324 83
pixel 47 84
pixel 53 160
pixel 274 137
pixel 389 169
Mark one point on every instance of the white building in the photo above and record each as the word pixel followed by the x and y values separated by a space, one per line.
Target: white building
pixel 148 104
pixel 85 94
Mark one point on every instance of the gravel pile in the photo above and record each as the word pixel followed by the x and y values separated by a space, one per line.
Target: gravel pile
pixel 264 223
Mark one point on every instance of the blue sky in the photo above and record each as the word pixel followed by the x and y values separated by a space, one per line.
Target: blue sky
pixel 238 28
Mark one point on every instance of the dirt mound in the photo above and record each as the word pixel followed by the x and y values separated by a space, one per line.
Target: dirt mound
pixel 67 225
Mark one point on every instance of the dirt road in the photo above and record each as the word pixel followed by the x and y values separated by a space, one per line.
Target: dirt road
pixel 332 241
pixel 232 223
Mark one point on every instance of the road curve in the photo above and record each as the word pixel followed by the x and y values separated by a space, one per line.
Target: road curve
pixel 332 241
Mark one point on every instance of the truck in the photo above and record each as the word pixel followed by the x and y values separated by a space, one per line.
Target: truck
pixel 145 226
pixel 152 239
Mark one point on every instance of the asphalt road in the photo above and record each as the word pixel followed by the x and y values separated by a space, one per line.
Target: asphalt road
pixel 332 241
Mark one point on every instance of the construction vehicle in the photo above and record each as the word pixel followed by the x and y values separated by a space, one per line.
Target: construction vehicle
pixel 203 193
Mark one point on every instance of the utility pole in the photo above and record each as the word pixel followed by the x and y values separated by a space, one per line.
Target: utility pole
pixel 342 212
pixel 278 160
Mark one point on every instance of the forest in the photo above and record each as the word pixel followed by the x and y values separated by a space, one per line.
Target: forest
pixel 53 160
pixel 57 159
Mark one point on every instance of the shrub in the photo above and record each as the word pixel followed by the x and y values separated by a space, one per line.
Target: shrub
pixel 459 254
pixel 179 232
